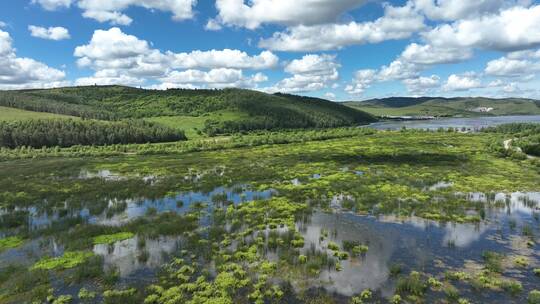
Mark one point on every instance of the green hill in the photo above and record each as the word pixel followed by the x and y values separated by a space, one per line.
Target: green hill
pixel 13 114
pixel 438 106
pixel 210 111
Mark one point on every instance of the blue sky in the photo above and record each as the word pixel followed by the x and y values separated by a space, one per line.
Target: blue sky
pixel 341 50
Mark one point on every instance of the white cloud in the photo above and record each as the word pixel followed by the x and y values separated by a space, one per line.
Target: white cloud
pixel 363 79
pixel 18 72
pixel 285 12
pixel 111 11
pixel 531 54
pixel 398 70
pixel 224 59
pixel 429 55
pixel 516 28
pixel 2 24
pixel 52 5
pixel 397 23
pixel 109 80
pixel 310 73
pixel 51 33
pixel 461 9
pixel 506 67
pixel 462 82
pixel 421 85
pixel 330 96
pixel 215 78
pixel 313 65
pixel 120 58
pixel 212 25
pixel 112 44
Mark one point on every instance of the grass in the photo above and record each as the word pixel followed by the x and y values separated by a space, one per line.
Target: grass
pixel 10 242
pixel 193 125
pixel 69 260
pixel 112 238
pixel 397 167
pixel 12 114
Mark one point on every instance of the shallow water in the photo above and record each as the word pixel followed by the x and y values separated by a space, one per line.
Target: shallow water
pixel 415 243
pixel 476 123
pixel 423 245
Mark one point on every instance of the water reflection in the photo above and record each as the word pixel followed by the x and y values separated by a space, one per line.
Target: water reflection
pixel 138 253
pixel 116 212
pixel 415 242
pixel 474 124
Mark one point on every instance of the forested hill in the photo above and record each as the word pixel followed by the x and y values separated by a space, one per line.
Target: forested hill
pixel 246 110
pixel 439 106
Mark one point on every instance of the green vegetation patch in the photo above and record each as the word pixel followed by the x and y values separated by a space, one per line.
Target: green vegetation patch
pixel 112 238
pixel 13 114
pixel 10 242
pixel 69 260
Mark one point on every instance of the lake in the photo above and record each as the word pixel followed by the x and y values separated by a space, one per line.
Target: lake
pixel 472 123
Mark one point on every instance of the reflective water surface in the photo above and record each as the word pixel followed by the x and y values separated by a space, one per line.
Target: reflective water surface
pixel 475 123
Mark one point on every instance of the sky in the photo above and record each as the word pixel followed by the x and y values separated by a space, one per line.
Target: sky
pixel 335 49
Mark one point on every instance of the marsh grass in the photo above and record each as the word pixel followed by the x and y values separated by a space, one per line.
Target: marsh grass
pixel 10 242
pixel 112 238
pixel 69 260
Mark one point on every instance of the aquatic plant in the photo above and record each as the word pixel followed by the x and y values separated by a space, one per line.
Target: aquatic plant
pixel 512 286
pixel 412 284
pixel 85 294
pixel 457 275
pixel 451 292
pixel 493 261
pixel 63 299
pixel 365 295
pixel 10 242
pixel 127 296
pixel 112 238
pixel 533 297
pixel 434 283
pixel 70 259
pixel 521 261
pixel 396 299
pixel 333 246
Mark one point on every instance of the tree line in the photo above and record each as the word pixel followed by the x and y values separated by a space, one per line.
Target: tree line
pixel 68 132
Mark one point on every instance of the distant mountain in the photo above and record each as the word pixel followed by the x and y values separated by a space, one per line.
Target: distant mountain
pixel 440 106
pixel 211 111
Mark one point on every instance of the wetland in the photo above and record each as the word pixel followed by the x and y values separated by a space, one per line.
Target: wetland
pixel 373 217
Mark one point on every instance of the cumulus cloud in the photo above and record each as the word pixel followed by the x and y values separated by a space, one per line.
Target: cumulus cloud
pixel 397 23
pixel 330 96
pixel 461 9
pixel 19 72
pixel 111 11
pixel 464 82
pixel 507 67
pixel 515 28
pixel 117 57
pixel 363 79
pixel 214 78
pixel 213 25
pixel 430 55
pixel 524 64
pixel 299 12
pixel 52 5
pixel 421 85
pixel 310 73
pixel 51 33
pixel 224 58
